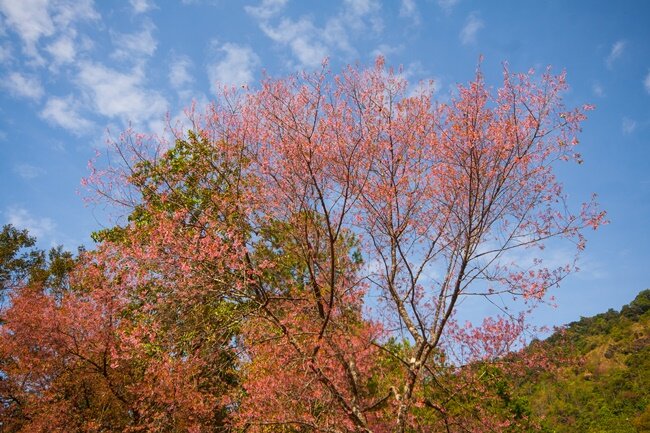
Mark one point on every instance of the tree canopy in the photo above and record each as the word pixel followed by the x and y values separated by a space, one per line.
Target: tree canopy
pixel 295 262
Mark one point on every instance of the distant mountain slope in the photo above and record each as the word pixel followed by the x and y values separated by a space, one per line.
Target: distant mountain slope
pixel 608 390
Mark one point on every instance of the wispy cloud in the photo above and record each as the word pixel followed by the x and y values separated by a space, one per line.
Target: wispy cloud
pixel 615 53
pixel 598 90
pixel 386 50
pixel 646 82
pixel 34 19
pixel 473 24
pixel 310 43
pixel 121 95
pixel 628 126
pixel 21 218
pixel 408 9
pixel 64 112
pixel 300 37
pixel 23 86
pixel 5 53
pixel 447 5
pixel 62 50
pixel 30 19
pixel 27 171
pixel 141 6
pixel 179 72
pixel 266 9
pixel 135 45
pixel 235 66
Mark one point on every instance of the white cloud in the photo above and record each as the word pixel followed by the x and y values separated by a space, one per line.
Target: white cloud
pixel 5 53
pixel 29 18
pixel 591 269
pixel 414 71
pixel 266 9
pixel 628 126
pixel 235 67
pixel 120 95
pixel 310 43
pixel 21 218
pixel 64 112
pixel 62 50
pixel 615 53
pixel 65 12
pixel 447 5
pixel 472 26
pixel 28 171
pixel 426 84
pixel 34 19
pixel 385 50
pixel 135 45
pixel 141 6
pixel 179 72
pixel 420 80
pixel 358 9
pixel 23 86
pixel 408 9
pixel 598 90
pixel 300 37
pixel 646 82
pixel 361 15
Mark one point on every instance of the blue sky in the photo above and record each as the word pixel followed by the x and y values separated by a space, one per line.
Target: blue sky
pixel 71 70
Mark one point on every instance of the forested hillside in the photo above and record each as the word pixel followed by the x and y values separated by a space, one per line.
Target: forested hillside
pixel 608 389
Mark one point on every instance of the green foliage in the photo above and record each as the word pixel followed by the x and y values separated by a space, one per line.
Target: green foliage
pixel 18 257
pixel 609 390
pixel 22 263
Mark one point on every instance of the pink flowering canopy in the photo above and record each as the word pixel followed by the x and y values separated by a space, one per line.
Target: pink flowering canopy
pixel 295 262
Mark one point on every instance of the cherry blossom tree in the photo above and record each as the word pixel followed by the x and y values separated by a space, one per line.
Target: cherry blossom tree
pixel 438 196
pixel 298 259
